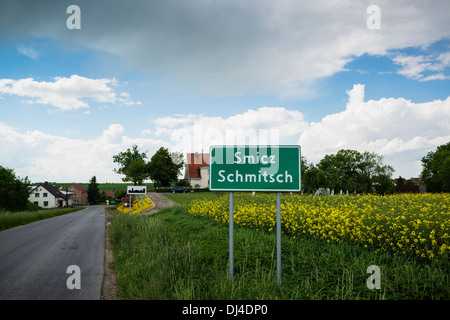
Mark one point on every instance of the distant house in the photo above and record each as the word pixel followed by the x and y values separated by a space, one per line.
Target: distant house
pixel 79 194
pixel 111 194
pixel 411 185
pixel 197 170
pixel 48 196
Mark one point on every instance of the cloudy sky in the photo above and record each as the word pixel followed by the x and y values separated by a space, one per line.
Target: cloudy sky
pixel 326 75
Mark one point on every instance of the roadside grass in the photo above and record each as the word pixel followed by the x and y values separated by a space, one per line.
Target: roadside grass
pixel 14 219
pixel 185 198
pixel 173 255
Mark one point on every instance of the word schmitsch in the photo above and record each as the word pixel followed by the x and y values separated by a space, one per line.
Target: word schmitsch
pixel 262 176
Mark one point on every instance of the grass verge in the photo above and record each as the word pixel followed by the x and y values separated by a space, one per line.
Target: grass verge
pixel 14 219
pixel 173 255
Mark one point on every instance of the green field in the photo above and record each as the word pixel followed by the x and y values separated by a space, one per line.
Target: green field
pixel 175 255
pixel 14 219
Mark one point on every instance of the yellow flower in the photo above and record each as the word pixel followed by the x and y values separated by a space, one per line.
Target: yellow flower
pixel 404 220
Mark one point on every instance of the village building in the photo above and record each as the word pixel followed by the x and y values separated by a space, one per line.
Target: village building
pixel 48 196
pixel 111 194
pixel 197 170
pixel 79 193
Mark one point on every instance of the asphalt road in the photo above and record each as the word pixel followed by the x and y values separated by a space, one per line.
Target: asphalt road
pixel 34 258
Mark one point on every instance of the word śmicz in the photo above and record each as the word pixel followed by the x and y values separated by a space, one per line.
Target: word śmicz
pixel 261 176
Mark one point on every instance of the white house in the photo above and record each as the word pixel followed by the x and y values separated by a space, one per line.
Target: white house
pixel 48 196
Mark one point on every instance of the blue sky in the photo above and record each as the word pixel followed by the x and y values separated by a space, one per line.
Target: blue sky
pixel 152 73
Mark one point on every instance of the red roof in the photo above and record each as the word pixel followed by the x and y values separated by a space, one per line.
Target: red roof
pixel 195 161
pixel 79 187
pixel 111 194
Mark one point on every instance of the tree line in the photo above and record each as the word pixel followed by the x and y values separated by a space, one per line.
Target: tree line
pixel 436 169
pixel 365 172
pixel 163 168
pixel 346 170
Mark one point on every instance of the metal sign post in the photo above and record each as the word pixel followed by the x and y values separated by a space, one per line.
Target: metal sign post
pixel 279 238
pixel 231 236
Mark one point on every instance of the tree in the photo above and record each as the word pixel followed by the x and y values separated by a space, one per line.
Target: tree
pixel 372 171
pixel 178 160
pixel 312 177
pixel 137 171
pixel 93 193
pixel 132 165
pixel 384 184
pixel 352 170
pixel 400 181
pixel 436 169
pixel 162 169
pixel 341 170
pixel 14 192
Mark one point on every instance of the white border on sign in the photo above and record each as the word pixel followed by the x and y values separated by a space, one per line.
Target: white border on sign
pixel 140 187
pixel 257 146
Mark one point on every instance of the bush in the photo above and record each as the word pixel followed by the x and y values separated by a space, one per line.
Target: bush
pixel 13 191
pixel 32 207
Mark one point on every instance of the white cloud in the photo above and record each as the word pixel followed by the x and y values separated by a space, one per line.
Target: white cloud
pixel 64 93
pixel 194 133
pixel 28 51
pixel 114 135
pixel 270 47
pixel 415 67
pixel 390 127
pixel 236 47
pixel 398 129
pixel 438 76
pixel 44 157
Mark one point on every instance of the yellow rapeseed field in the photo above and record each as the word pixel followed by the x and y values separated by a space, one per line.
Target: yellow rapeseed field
pixel 137 204
pixel 409 224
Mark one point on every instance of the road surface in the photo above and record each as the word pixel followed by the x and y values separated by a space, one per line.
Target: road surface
pixel 34 258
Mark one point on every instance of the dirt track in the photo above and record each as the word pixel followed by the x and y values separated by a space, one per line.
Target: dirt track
pixel 159 202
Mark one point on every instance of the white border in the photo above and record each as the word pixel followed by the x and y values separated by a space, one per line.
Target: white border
pixel 145 187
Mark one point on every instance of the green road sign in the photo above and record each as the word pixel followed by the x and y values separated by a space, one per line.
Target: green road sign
pixel 255 168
